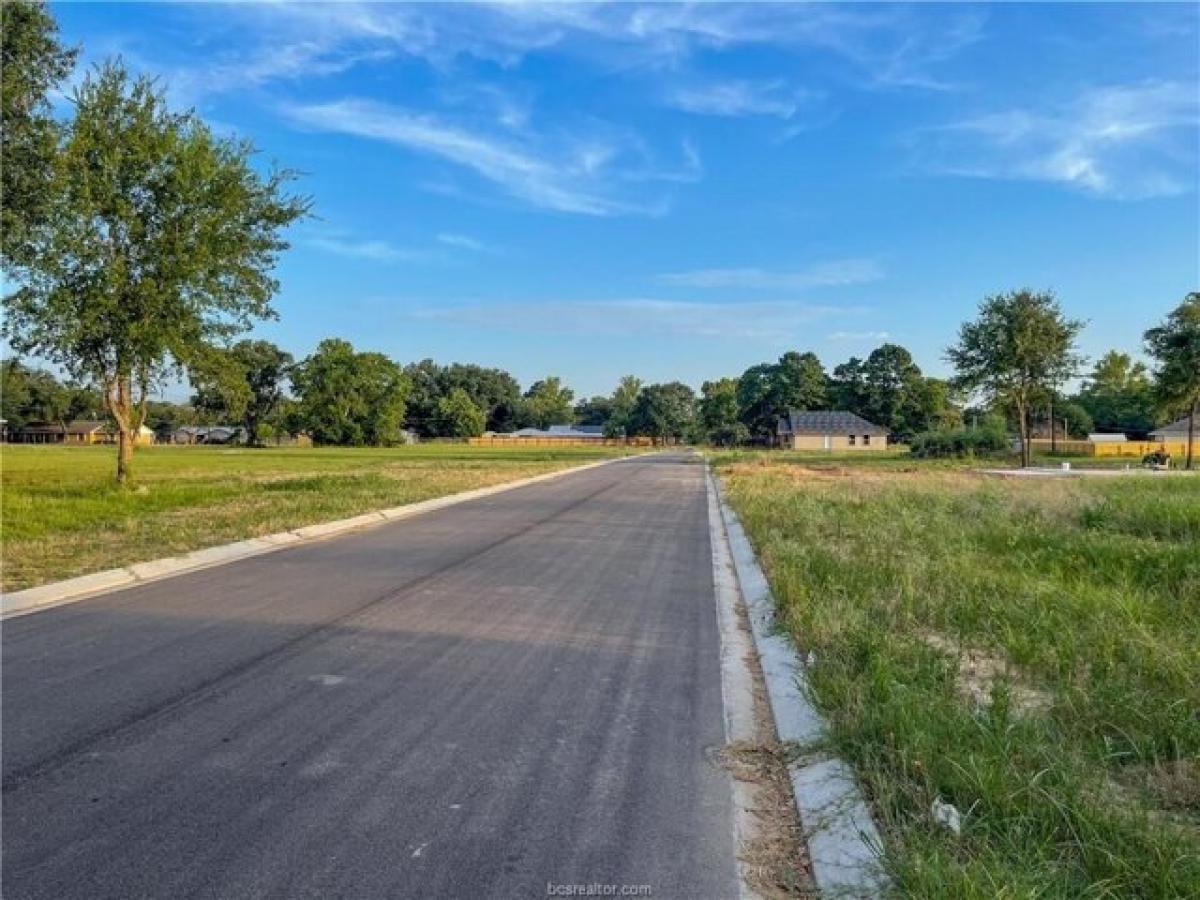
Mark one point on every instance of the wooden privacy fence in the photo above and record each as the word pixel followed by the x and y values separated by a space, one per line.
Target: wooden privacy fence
pixel 1136 449
pixel 559 442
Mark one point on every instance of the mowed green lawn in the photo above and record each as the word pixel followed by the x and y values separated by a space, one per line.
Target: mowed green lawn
pixel 63 515
pixel 1025 649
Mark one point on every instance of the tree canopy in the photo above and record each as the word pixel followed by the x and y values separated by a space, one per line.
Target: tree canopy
pixel 32 61
pixel 350 398
pixel 546 403
pixel 458 416
pixel 159 240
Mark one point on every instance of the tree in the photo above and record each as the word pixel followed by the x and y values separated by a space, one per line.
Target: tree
pixel 1015 351
pixel 624 398
pixel 595 411
pixel 494 391
pixel 32 61
pixel 798 382
pixel 664 412
pixel 848 386
pixel 244 383
pixel 1118 394
pixel 756 408
pixel 548 402
pixel 424 393
pixel 159 240
pixel 1175 346
pixel 458 416
pixel 718 411
pixel 350 398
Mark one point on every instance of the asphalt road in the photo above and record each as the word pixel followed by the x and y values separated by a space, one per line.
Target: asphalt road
pixel 514 692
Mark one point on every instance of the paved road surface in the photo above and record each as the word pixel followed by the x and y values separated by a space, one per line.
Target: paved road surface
pixel 520 690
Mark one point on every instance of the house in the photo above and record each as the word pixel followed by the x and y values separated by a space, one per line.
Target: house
pixel 77 432
pixel 829 430
pixel 1176 431
pixel 208 434
pixel 1106 438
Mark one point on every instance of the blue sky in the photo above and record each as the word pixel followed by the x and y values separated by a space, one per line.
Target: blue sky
pixel 680 191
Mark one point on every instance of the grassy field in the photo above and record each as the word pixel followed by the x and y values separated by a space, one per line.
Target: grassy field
pixel 64 516
pixel 1025 649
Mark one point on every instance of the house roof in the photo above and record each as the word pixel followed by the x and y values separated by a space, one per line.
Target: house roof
pixel 562 431
pixel 1179 427
pixel 834 421
pixel 77 427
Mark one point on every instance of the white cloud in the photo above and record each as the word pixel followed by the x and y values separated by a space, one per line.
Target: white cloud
pixel 1127 142
pixel 738 98
pixel 827 274
pixel 639 317
pixel 570 175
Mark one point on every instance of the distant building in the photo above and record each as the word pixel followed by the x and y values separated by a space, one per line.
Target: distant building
pixel 208 434
pixel 829 430
pixel 563 432
pixel 1098 438
pixel 77 432
pixel 1176 431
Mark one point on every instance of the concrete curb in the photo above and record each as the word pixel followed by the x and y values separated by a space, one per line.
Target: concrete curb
pixel 843 843
pixel 47 596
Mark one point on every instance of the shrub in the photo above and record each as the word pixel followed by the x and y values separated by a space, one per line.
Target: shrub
pixel 959 442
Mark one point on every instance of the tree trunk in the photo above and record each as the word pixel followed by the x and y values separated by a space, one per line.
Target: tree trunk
pixel 1053 430
pixel 120 403
pixel 124 456
pixel 1023 428
pixel 1192 433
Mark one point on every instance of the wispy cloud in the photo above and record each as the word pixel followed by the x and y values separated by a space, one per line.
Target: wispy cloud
pixel 463 242
pixel 575 176
pixel 640 317
pixel 738 97
pixel 827 274
pixel 859 336
pixel 1128 142
pixel 378 251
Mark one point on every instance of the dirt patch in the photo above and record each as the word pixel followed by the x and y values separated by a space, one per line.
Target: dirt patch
pixel 1174 785
pixel 980 671
pixel 776 859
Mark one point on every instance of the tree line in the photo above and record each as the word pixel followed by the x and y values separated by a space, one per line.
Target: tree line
pixel 141 245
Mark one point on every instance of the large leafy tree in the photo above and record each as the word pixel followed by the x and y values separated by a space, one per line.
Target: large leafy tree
pixel 244 383
pixel 1175 346
pixel 159 240
pixel 1015 351
pixel 718 412
pixel 798 381
pixel 664 412
pixel 548 402
pixel 350 398
pixel 458 416
pixel 1118 394
pixel 32 61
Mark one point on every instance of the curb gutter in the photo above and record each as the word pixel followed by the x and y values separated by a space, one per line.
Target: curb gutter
pixel 843 843
pixel 57 593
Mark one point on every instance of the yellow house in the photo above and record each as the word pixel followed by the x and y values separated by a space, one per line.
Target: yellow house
pixel 829 430
pixel 77 432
